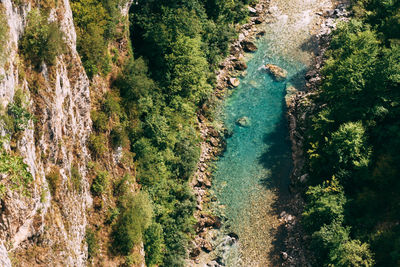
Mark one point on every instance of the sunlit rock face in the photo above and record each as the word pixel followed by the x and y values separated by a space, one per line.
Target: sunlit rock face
pixel 57 141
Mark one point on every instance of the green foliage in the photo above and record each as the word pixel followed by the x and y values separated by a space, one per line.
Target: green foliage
pixel 92 243
pixel 327 239
pixel 17 176
pixel 154 244
pixel 42 40
pixel 100 183
pixel 187 68
pixel 4 31
pixel 100 121
pixel 354 136
pixel 352 253
pixel 17 117
pixel 325 205
pixel 121 187
pixel 97 145
pixel 76 178
pixel 96 23
pixel 54 180
pixel 133 221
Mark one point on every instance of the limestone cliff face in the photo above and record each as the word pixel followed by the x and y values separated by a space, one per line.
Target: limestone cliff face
pixel 51 225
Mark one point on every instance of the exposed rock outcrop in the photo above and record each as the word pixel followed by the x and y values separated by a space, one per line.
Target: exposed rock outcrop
pixel 277 73
pixel 55 142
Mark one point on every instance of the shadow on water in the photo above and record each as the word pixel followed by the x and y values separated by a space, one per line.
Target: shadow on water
pixel 278 160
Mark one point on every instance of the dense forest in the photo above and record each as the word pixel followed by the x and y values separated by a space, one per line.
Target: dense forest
pixel 353 209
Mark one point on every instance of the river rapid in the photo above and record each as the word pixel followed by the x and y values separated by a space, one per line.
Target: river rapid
pixel 252 177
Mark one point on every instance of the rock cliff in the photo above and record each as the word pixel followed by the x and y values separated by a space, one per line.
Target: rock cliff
pixel 42 221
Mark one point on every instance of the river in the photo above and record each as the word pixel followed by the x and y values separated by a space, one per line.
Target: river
pixel 252 177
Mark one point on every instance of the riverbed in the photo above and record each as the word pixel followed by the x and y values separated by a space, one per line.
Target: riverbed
pixel 252 177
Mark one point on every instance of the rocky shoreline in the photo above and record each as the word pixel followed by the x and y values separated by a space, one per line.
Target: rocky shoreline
pixel 213 143
pixel 299 108
pixel 213 136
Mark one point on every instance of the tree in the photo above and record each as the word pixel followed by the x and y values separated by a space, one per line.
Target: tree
pixel 187 69
pixel 134 220
pixel 328 239
pixel 325 205
pixel 154 244
pixel 351 253
pixel 42 40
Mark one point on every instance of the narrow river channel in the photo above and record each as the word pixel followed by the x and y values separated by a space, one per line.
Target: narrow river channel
pixel 252 177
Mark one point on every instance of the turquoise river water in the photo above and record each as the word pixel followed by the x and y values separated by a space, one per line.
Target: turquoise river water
pixel 252 177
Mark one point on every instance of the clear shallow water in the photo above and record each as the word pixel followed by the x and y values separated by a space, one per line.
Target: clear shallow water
pixel 252 177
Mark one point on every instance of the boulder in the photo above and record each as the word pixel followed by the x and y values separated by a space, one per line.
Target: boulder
pixel 207 247
pixel 252 11
pixel 258 20
pixel 243 122
pixel 212 221
pixel 195 252
pixel 234 82
pixel 248 46
pixel 277 73
pixel 240 65
pixel 284 256
pixel 233 235
pixel 261 33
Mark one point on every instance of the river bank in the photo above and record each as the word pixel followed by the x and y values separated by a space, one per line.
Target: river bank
pixel 213 133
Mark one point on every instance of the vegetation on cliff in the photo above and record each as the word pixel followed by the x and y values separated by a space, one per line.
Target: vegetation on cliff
pixel 151 111
pixel 352 211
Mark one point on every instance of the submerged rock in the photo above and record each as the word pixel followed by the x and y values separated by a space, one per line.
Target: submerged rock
pixel 249 46
pixel 277 73
pixel 243 121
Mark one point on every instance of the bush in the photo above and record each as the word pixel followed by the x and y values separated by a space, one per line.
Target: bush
pixel 3 33
pixel 43 40
pixel 118 136
pixel 54 181
pixel 122 186
pixel 97 145
pixel 134 220
pixel 154 244
pixel 325 204
pixel 76 178
pixel 95 23
pixel 92 242
pixel 100 183
pixel 100 121
pixel 18 178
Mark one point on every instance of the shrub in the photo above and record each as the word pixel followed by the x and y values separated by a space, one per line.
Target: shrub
pixel 97 145
pixel 54 180
pixel 326 204
pixel 91 20
pixel 3 33
pixel 113 213
pixel 92 242
pixel 100 121
pixel 134 220
pixel 76 178
pixel 122 186
pixel 100 183
pixel 18 176
pixel 154 244
pixel 118 136
pixel 43 40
